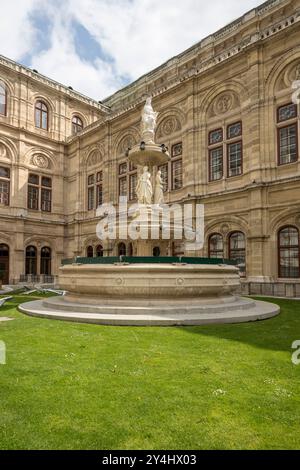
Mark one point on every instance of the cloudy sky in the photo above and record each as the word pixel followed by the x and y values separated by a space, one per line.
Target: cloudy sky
pixel 98 46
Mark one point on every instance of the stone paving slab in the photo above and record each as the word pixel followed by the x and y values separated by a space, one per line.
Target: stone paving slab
pixel 6 319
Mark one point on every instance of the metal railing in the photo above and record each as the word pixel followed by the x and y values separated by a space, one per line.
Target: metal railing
pixel 37 278
pixel 271 289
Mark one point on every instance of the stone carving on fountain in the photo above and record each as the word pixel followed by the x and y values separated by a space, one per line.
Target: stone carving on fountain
pixel 159 189
pixel 147 152
pixel 144 188
pixel 148 126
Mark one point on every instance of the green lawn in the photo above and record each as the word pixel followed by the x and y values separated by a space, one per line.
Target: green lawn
pixel 73 386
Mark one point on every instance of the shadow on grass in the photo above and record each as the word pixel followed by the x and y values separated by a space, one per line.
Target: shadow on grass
pixel 276 334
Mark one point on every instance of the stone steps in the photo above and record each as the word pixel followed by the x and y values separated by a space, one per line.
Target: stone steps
pixel 255 311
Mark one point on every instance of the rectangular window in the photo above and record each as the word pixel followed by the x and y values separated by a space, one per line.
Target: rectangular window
pixel 33 198
pixel 289 263
pixel 288 144
pixel 176 150
pixel 46 196
pixel 99 195
pixel 132 186
pixel 164 176
pixel 44 121
pixel 123 169
pixel 215 137
pixel 234 156
pixel 34 179
pixel 47 182
pixel 99 176
pixel 4 193
pixel 287 112
pixel 91 180
pixel 216 164
pixel 234 130
pixel 177 174
pixel 37 118
pixel 132 167
pixel 2 100
pixel 91 198
pixel 4 172
pixel 123 186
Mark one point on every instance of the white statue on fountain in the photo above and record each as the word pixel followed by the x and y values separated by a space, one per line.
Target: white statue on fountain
pixel 148 122
pixel 159 189
pixel 144 189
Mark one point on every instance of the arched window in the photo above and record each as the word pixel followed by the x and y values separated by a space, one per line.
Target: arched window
pixel 122 249
pixel 31 260
pixel 77 125
pixel 216 246
pixel 41 115
pixel 99 251
pixel 288 253
pixel 4 263
pixel 90 252
pixel 46 261
pixel 3 99
pixel 4 185
pixel 156 252
pixel 237 250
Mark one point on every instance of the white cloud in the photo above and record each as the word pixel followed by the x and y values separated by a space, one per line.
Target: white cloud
pixel 137 34
pixel 16 31
pixel 62 63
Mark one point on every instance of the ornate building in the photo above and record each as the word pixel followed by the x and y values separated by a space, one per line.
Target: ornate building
pixel 226 113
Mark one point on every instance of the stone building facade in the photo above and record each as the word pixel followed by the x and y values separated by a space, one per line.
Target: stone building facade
pixel 227 112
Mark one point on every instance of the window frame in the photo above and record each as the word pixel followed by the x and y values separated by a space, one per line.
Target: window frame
pixel 242 274
pixel 228 144
pixel 280 247
pixel 41 190
pixel 94 183
pixel 31 261
pixel 7 181
pixel 210 150
pixel 209 247
pixel 225 143
pixel 284 124
pixel 41 112
pixel 46 261
pixel 76 125
pixel 240 136
pixel 211 144
pixel 5 94
pixel 175 159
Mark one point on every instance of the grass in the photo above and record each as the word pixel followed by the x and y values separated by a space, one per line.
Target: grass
pixel 76 386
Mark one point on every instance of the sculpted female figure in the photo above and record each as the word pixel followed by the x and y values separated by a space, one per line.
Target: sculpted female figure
pixel 159 189
pixel 148 122
pixel 144 189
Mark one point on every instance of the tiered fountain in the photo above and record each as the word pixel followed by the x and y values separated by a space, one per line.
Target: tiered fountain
pixel 144 290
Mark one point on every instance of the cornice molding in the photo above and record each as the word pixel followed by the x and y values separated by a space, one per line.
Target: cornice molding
pixel 58 87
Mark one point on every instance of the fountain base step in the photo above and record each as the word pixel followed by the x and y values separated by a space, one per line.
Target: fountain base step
pixel 239 310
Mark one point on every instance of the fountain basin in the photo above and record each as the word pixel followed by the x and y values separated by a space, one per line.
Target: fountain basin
pixel 150 294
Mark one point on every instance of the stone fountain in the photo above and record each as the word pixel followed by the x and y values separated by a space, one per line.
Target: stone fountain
pixel 150 291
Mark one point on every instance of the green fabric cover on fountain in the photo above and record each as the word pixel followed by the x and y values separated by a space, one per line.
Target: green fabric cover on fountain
pixel 147 260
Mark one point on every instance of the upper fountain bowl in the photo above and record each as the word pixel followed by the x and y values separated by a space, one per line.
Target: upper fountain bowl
pixel 149 154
